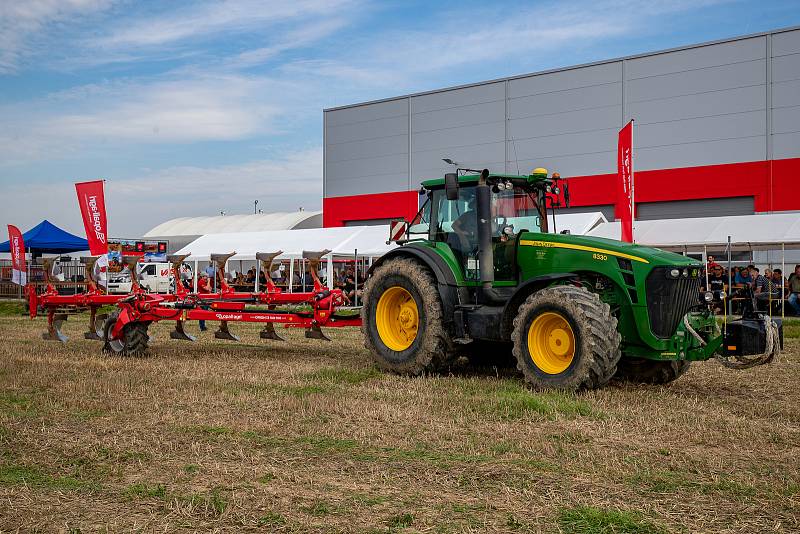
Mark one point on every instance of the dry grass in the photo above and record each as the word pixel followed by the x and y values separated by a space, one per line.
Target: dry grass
pixel 309 437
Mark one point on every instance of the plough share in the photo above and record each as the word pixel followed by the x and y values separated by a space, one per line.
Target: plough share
pixel 125 330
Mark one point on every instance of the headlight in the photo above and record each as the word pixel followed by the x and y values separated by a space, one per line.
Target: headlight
pixel 708 296
pixel 674 273
pixel 685 273
pixel 722 295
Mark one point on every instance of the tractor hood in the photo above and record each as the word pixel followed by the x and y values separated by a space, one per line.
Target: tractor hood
pixel 611 247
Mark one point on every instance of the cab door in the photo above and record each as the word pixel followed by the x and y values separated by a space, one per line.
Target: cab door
pixel 455 223
pixel 513 211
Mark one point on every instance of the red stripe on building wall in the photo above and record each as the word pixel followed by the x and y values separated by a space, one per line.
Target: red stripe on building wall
pixel 400 204
pixel 772 184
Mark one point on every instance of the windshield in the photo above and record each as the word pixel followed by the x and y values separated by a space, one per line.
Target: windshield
pixel 510 207
pixel 515 208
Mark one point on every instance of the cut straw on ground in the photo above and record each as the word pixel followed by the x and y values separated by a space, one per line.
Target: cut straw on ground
pixel 307 436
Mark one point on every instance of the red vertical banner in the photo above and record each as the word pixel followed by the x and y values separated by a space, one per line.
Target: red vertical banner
pixel 93 211
pixel 625 210
pixel 19 273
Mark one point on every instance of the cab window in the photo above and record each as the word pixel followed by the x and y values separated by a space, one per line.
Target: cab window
pixel 420 224
pixel 515 208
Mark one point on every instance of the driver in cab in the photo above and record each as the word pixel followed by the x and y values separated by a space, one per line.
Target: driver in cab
pixel 466 225
pixel 464 236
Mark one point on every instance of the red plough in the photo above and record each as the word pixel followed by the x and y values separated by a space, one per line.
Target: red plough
pixel 59 307
pixel 125 331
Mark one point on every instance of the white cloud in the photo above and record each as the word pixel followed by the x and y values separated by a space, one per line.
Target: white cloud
pixel 139 203
pixel 212 18
pixel 198 107
pixel 23 21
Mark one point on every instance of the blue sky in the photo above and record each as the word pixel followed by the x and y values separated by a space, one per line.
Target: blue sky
pixel 189 108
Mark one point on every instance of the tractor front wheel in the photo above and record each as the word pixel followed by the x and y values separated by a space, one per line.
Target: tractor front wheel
pixel 402 319
pixel 566 338
pixel 654 372
pixel 132 342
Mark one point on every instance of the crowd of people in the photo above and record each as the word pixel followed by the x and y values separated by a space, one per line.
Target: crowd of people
pixel 770 287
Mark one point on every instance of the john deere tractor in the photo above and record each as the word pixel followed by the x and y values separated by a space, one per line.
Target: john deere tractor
pixel 477 267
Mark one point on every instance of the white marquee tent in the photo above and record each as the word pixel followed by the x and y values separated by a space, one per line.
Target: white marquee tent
pixel 771 231
pixel 342 241
pixel 365 241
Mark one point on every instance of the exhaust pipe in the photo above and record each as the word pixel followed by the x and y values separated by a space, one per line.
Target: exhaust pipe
pixel 485 255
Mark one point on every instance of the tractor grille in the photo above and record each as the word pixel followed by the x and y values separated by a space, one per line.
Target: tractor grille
pixel 669 299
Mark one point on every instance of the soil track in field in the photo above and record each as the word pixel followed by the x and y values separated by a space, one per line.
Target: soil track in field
pixel 307 436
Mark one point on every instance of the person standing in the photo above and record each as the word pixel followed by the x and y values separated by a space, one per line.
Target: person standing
pixel 794 290
pixel 203 286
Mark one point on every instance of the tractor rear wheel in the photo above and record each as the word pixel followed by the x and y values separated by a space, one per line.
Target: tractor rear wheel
pixel 132 342
pixel 646 371
pixel 402 319
pixel 566 338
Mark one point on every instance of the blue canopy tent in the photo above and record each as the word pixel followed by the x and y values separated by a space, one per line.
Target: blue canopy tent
pixel 47 238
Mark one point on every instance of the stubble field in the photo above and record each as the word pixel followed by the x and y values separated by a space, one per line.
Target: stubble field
pixel 307 436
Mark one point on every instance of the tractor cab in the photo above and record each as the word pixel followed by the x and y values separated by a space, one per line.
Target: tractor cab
pixel 516 204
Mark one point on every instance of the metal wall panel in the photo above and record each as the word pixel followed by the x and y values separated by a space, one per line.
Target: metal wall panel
pixel 565 121
pixel 607 73
pixel 711 104
pixel 785 112
pixel 694 154
pixel 466 125
pixel 585 120
pixel 366 149
pixel 367 112
pixel 712 79
pixel 698 58
pixel 379 146
pixel 566 100
pixel 785 43
pixel 567 165
pixel 441 119
pixel 454 98
pixel 716 207
pixel 359 131
pixel 702 106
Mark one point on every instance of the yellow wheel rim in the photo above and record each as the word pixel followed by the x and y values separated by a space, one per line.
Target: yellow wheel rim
pixel 551 343
pixel 397 318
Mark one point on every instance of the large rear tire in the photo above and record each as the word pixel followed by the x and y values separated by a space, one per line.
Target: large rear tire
pixel 132 342
pixel 566 338
pixel 402 319
pixel 644 371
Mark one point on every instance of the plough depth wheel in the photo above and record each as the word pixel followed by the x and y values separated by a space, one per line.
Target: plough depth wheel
pixel 132 342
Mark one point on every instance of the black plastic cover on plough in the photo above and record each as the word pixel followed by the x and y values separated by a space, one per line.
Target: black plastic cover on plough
pixel 125 330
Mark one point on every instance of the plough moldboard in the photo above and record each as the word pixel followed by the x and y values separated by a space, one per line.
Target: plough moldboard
pixel 125 330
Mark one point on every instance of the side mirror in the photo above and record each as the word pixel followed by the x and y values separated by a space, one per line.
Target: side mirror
pixel 451 185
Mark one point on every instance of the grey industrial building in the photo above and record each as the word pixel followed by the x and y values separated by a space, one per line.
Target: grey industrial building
pixel 717 131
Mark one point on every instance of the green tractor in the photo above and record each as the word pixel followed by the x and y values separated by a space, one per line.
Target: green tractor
pixel 477 267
